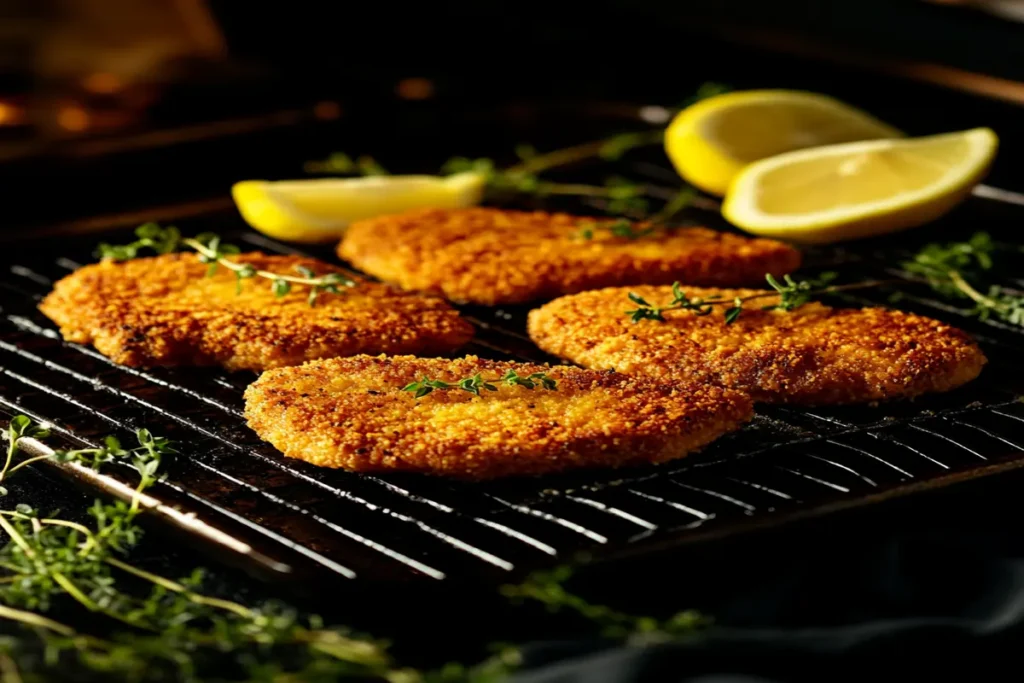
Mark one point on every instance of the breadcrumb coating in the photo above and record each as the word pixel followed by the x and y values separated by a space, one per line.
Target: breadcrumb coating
pixel 351 413
pixel 812 355
pixel 492 256
pixel 165 311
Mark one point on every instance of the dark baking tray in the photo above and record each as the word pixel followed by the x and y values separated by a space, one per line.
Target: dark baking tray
pixel 288 520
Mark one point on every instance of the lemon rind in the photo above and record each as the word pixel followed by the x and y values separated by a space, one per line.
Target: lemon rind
pixel 710 166
pixel 267 207
pixel 740 204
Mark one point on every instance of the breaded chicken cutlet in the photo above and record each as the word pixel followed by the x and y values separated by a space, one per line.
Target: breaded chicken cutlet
pixel 352 413
pixel 165 311
pixel 492 256
pixel 812 355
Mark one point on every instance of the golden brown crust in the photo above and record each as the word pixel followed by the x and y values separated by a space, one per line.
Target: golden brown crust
pixel 351 413
pixel 813 355
pixel 164 311
pixel 492 256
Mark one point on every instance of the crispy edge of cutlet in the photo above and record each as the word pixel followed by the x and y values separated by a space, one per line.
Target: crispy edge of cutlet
pixel 373 427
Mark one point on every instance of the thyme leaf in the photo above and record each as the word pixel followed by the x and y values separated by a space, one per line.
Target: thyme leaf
pixel 548 588
pixel 149 236
pixel 340 163
pixel 957 270
pixel 623 196
pixel 792 295
pixel 475 383
pixel 173 631
pixel 214 252
pixel 954 270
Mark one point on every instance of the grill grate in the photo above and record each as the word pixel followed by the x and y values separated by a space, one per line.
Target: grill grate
pixel 297 518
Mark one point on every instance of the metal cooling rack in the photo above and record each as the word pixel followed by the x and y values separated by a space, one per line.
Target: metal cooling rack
pixel 289 519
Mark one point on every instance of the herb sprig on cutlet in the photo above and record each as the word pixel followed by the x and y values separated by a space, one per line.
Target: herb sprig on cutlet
pixel 216 253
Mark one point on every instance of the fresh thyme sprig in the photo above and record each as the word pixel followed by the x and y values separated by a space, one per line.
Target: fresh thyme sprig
pixel 149 236
pixel 211 251
pixel 955 269
pixel 792 294
pixel 618 228
pixel 340 163
pixel 524 175
pixel 477 382
pixel 175 632
pixel 51 557
pixel 174 629
pixel 214 252
pixel 626 229
pixel 18 428
pixel 624 196
pixel 704 91
pixel 548 588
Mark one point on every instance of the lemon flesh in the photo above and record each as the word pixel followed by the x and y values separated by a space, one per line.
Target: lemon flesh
pixel 859 189
pixel 319 210
pixel 711 141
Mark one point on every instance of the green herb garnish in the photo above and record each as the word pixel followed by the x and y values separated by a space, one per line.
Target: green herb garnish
pixel 792 295
pixel 954 269
pixel 478 382
pixel 150 236
pixel 340 163
pixel 622 196
pixel 174 631
pixel 214 252
pixel 548 589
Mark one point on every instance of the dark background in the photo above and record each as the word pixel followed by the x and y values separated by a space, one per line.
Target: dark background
pixel 254 89
pixel 177 99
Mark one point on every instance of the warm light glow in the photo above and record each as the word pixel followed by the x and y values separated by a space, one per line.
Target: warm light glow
pixel 73 118
pixel 327 110
pixel 102 83
pixel 10 114
pixel 415 89
pixel 655 114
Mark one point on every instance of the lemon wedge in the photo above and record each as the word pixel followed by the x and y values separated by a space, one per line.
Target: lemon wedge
pixel 711 141
pixel 858 189
pixel 319 210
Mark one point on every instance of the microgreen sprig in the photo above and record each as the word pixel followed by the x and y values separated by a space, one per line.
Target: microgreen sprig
pixel 478 382
pixel 214 252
